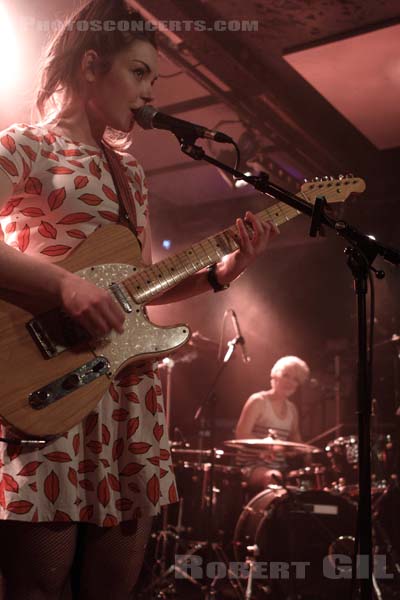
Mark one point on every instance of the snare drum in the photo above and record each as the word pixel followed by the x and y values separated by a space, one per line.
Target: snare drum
pixel 289 525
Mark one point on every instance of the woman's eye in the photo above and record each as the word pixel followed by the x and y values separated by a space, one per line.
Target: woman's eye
pixel 139 73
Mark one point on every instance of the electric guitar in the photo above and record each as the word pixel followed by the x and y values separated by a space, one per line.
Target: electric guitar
pixel 52 374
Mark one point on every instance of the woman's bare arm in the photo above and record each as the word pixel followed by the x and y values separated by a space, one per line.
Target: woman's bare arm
pixel 93 307
pixel 248 417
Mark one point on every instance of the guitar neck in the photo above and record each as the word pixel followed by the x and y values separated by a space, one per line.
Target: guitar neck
pixel 150 282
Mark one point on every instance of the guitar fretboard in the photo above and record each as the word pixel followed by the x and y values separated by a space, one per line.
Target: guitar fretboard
pixel 150 282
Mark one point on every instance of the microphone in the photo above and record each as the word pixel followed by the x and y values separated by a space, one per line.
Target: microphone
pixel 240 339
pixel 149 117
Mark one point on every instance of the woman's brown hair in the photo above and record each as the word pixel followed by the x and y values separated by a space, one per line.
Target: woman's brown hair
pixel 106 26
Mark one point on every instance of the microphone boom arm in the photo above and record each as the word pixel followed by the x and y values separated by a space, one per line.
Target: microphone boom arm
pixel 367 246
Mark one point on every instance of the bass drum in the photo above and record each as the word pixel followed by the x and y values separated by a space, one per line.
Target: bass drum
pixel 288 526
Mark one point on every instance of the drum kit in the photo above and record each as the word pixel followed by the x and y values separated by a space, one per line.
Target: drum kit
pixel 304 519
pixel 300 521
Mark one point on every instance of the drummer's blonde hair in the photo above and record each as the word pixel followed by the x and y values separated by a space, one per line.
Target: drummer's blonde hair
pixel 292 364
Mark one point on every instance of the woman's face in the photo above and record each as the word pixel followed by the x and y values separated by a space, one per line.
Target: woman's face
pixel 285 383
pixel 127 86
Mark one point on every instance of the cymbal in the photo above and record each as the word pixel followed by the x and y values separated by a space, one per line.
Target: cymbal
pixel 194 451
pixel 201 452
pixel 273 445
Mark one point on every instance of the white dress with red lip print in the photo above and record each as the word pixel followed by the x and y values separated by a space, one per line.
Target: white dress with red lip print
pixel 116 464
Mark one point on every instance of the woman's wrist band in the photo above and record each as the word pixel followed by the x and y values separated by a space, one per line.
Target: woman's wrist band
pixel 213 281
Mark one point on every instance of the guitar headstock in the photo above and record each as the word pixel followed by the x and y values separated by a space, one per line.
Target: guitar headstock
pixel 334 190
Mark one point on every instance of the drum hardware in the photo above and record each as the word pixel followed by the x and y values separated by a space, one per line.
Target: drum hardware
pixel 297 507
pixel 326 433
pixel 200 459
pixel 160 580
pixel 251 559
pixel 308 478
pixel 342 453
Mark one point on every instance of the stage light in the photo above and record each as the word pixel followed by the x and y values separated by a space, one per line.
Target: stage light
pixel 9 52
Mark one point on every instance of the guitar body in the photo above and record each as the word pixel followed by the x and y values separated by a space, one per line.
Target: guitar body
pixel 73 380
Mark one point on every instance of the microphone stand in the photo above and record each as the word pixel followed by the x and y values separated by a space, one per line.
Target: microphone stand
pixel 361 253
pixel 208 407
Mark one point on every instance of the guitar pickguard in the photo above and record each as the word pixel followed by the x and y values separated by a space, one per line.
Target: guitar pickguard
pixel 141 338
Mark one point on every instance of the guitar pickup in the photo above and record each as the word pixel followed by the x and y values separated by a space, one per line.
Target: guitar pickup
pixel 69 382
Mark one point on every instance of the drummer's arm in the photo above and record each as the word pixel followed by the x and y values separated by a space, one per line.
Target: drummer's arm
pixel 295 435
pixel 248 417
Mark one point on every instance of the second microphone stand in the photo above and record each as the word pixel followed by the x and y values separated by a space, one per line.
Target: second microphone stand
pixel 206 413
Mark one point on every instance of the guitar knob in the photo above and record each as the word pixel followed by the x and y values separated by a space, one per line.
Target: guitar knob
pixel 99 366
pixel 71 382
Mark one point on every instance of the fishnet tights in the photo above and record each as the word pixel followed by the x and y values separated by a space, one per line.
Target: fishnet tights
pixel 37 559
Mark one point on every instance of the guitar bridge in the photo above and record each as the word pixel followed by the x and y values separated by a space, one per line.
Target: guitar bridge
pixel 69 382
pixel 54 332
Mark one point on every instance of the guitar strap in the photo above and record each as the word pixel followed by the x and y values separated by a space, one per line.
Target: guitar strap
pixel 127 212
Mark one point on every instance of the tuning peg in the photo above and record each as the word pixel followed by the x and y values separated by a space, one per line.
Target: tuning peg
pixel 341 177
pixel 316 179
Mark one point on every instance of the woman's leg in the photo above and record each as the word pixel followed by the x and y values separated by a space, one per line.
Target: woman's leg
pixel 112 559
pixel 36 558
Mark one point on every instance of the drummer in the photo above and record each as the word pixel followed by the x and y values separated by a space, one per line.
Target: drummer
pixel 268 413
